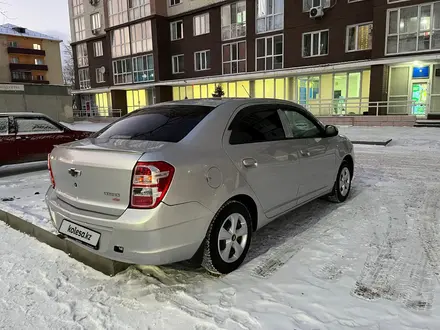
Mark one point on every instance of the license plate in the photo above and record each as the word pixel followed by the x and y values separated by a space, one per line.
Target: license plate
pixel 80 233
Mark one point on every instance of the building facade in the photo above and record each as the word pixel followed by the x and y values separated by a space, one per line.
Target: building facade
pixel 31 76
pixel 29 57
pixel 334 57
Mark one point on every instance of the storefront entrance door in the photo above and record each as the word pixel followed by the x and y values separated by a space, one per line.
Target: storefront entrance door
pixel 419 97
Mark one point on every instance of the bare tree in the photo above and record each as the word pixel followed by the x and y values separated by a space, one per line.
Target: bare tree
pixel 68 66
pixel 3 11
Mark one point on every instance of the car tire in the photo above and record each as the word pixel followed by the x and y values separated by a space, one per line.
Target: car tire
pixel 226 248
pixel 342 186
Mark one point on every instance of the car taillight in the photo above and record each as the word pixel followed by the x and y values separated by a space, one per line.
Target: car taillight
pixel 49 167
pixel 150 183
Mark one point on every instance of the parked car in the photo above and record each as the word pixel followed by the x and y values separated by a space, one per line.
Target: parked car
pixel 28 137
pixel 194 178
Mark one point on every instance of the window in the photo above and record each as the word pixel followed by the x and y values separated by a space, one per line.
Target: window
pixel 309 4
pixel 4 123
pixel 201 24
pixel 35 125
pixel 81 55
pixel 97 49
pixel 165 123
pixel 178 64
pixel 413 29
pixel 14 60
pixel 202 60
pixel 270 15
pixel 99 76
pixel 13 44
pixel 80 28
pixel 121 42
pixel 143 68
pixel 234 20
pixel 22 75
pixel 315 43
pixel 40 77
pixel 234 57
pixel 96 21
pixel 39 61
pixel 117 12
pixel 78 7
pixel 122 71
pixel 177 30
pixel 175 2
pixel 299 126
pixel 359 37
pixel 138 9
pixel 36 46
pixel 141 38
pixel 257 125
pixel 308 89
pixel 84 78
pixel 270 53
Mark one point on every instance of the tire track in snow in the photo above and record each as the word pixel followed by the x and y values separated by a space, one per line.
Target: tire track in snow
pixel 380 277
pixel 402 266
pixel 313 221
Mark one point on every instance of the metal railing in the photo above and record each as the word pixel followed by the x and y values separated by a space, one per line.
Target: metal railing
pixel 359 107
pixel 97 112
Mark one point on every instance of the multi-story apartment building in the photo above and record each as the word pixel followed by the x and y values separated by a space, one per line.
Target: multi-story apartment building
pixel 31 76
pixel 29 57
pixel 333 56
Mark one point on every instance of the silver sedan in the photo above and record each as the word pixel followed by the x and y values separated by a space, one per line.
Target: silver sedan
pixel 179 180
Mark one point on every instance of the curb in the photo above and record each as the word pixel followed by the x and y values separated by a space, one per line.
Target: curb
pixel 373 143
pixel 101 264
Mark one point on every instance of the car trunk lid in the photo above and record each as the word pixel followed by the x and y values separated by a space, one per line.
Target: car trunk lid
pixel 96 175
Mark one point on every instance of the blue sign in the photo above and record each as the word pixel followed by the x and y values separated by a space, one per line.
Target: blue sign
pixel 420 72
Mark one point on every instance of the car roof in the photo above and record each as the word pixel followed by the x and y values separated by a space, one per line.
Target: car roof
pixel 215 102
pixel 22 114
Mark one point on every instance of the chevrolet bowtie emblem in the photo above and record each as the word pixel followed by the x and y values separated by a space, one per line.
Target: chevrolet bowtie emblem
pixel 74 172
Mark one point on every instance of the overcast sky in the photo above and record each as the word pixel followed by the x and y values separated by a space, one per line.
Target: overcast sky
pixel 45 16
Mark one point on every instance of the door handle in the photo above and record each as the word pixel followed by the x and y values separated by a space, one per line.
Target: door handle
pixel 305 153
pixel 249 162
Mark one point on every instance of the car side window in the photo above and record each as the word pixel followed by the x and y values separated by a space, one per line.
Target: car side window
pixel 35 125
pixel 257 126
pixel 300 126
pixel 4 123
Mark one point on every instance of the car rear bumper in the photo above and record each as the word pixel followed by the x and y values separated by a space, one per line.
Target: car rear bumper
pixel 161 236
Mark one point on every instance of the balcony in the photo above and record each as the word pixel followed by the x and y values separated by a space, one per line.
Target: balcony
pixel 20 66
pixel 29 81
pixel 27 51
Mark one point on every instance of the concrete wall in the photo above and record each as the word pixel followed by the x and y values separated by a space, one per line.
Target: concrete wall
pixel 390 120
pixel 53 101
pixel 5 73
pixel 53 61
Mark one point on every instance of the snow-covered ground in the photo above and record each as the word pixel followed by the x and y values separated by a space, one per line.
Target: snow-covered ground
pixel 85 126
pixel 370 263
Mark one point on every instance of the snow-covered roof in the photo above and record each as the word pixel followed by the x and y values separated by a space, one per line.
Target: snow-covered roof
pixel 10 29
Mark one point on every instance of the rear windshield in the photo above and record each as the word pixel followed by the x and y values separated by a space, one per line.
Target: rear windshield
pixel 167 123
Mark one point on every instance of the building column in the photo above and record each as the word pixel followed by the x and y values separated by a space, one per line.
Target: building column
pixel 163 93
pixel 119 101
pixel 378 88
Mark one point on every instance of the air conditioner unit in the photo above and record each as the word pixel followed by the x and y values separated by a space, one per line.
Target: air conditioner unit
pixel 95 31
pixel 316 12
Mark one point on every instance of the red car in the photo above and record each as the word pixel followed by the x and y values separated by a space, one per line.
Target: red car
pixel 29 137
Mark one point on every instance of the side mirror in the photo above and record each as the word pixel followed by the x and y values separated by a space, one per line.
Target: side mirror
pixel 331 131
